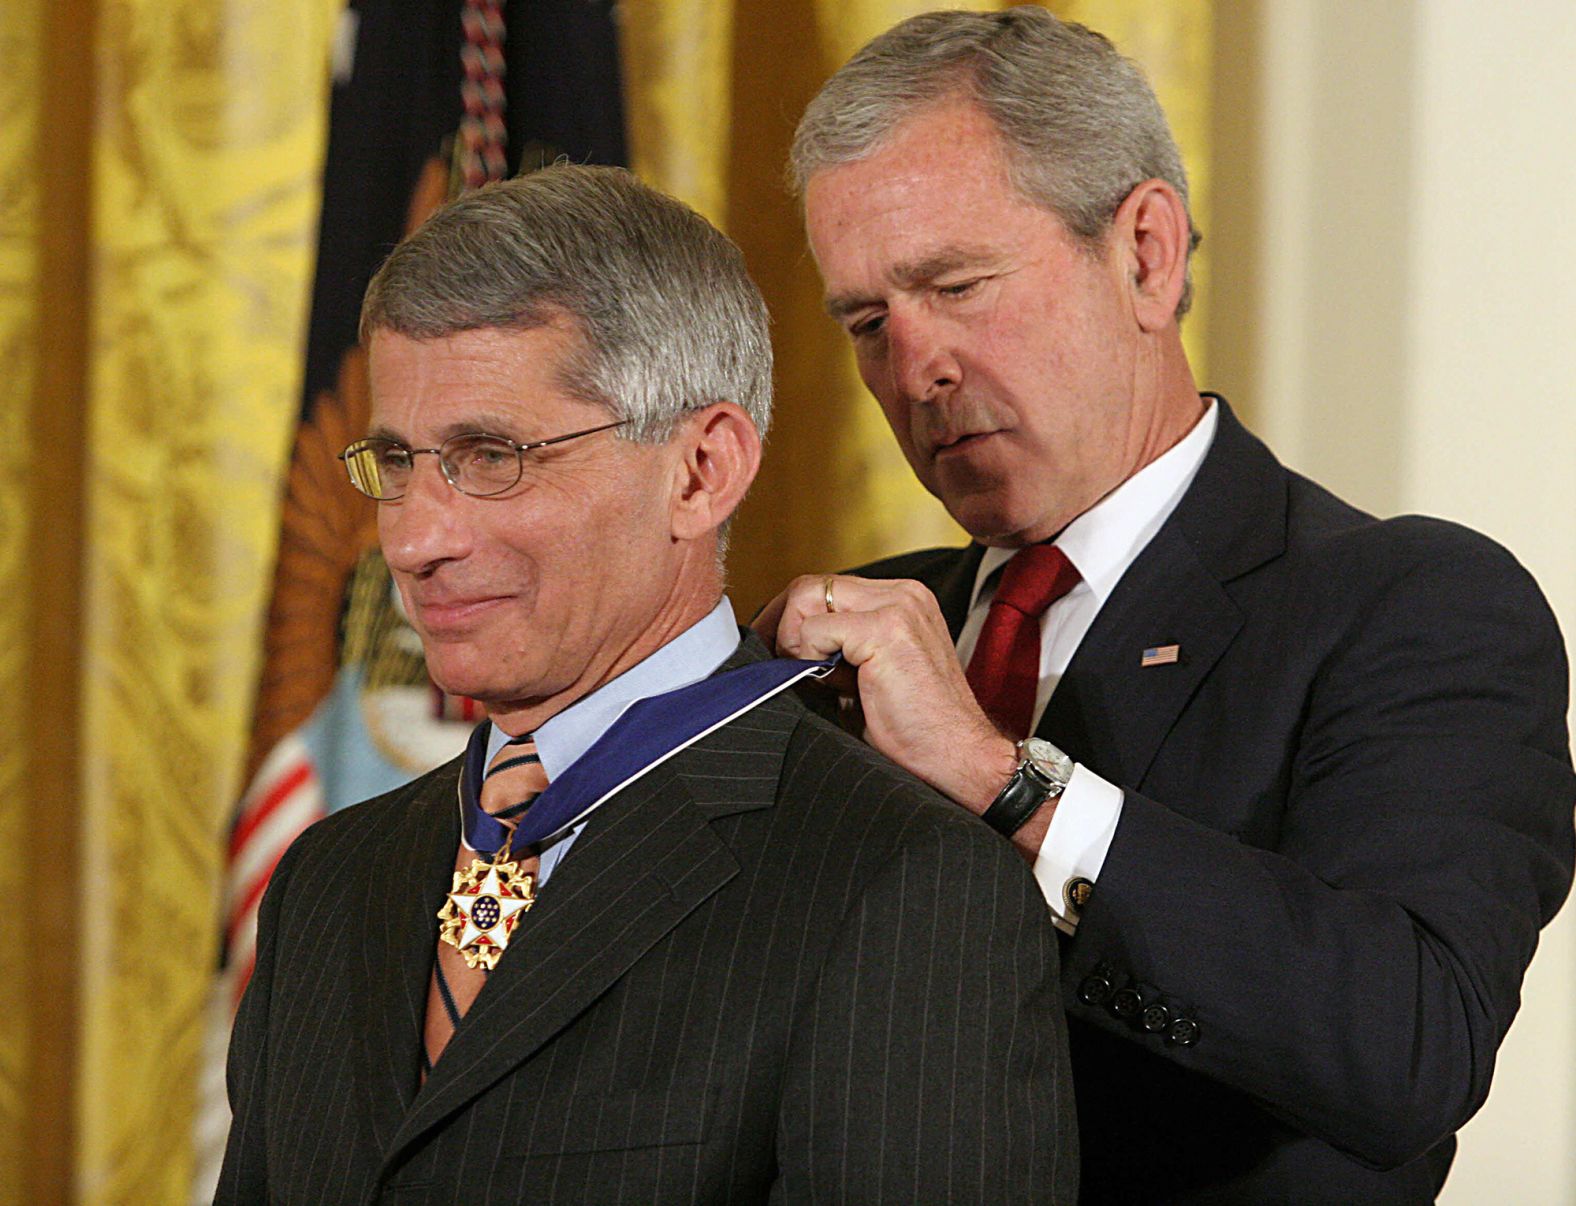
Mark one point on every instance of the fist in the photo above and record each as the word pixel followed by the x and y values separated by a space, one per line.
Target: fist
pixel 918 708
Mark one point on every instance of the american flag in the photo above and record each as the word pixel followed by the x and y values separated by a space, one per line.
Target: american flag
pixel 284 798
pixel 1160 655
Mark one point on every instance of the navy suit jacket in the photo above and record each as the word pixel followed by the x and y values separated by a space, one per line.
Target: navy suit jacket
pixel 1347 812
pixel 775 968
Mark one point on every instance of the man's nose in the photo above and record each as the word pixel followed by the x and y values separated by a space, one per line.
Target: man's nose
pixel 920 358
pixel 425 526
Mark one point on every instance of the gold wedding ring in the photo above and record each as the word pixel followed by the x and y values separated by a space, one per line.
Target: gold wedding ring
pixel 831 606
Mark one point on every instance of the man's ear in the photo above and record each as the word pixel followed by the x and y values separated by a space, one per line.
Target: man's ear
pixel 720 453
pixel 1151 227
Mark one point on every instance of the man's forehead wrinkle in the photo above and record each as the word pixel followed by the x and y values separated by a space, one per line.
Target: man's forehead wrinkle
pixel 476 422
pixel 517 427
pixel 492 422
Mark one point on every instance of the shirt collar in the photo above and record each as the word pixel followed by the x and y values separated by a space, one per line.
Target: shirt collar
pixel 1107 538
pixel 687 658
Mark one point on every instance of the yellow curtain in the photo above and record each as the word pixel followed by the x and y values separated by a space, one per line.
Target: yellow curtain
pixel 158 172
pixel 206 151
pixel 21 30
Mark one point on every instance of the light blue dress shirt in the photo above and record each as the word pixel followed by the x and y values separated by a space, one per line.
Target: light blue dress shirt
pixel 687 658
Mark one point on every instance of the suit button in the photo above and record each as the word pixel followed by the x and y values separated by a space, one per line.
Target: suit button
pixel 1155 1019
pixel 1183 1032
pixel 1096 988
pixel 1127 1003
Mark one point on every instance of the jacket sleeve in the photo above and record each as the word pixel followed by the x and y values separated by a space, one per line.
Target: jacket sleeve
pixel 1357 976
pixel 931 1063
pixel 244 1175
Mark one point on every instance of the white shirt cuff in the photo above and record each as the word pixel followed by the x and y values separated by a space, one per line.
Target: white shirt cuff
pixel 1075 845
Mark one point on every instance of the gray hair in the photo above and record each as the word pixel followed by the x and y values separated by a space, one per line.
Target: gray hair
pixel 1080 124
pixel 671 321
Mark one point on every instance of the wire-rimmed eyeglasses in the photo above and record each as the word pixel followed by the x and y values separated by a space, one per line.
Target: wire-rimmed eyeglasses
pixel 476 463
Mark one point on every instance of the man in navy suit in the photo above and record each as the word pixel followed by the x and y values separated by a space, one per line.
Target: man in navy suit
pixel 1295 781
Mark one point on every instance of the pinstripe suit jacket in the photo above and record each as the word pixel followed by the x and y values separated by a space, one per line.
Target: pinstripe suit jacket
pixel 775 968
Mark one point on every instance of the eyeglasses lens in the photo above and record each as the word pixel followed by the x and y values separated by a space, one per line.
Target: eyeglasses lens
pixel 481 465
pixel 379 468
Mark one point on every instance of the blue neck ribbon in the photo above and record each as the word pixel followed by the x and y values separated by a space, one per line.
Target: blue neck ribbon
pixel 647 734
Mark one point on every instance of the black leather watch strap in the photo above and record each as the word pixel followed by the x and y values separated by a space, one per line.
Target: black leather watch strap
pixel 1019 800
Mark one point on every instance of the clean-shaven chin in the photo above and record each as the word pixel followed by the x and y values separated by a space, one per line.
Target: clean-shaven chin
pixel 990 510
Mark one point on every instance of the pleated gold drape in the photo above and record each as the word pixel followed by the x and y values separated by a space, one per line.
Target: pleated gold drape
pixel 20 37
pixel 144 417
pixel 154 258
pixel 43 120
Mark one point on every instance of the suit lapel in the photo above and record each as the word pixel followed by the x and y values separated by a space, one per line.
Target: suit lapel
pixel 1109 709
pixel 953 586
pixel 646 860
pixel 414 864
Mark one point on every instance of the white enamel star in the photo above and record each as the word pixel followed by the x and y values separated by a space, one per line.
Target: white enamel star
pixel 492 889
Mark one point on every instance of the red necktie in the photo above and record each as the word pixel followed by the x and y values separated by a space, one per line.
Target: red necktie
pixel 514 778
pixel 1005 669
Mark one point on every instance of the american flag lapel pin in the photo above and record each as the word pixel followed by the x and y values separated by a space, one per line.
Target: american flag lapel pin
pixel 1160 655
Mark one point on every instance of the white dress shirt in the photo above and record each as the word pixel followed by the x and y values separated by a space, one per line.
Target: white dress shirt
pixel 1101 543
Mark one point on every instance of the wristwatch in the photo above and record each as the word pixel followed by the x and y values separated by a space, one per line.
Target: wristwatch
pixel 1042 774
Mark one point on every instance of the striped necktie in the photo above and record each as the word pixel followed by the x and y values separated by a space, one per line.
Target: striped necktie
pixel 514 779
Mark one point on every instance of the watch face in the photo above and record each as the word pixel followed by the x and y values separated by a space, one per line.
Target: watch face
pixel 1038 749
pixel 1048 760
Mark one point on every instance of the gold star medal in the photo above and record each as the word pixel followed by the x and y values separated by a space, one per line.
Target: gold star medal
pixel 482 910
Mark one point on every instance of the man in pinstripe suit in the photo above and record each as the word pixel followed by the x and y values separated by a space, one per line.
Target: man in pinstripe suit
pixel 770 966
